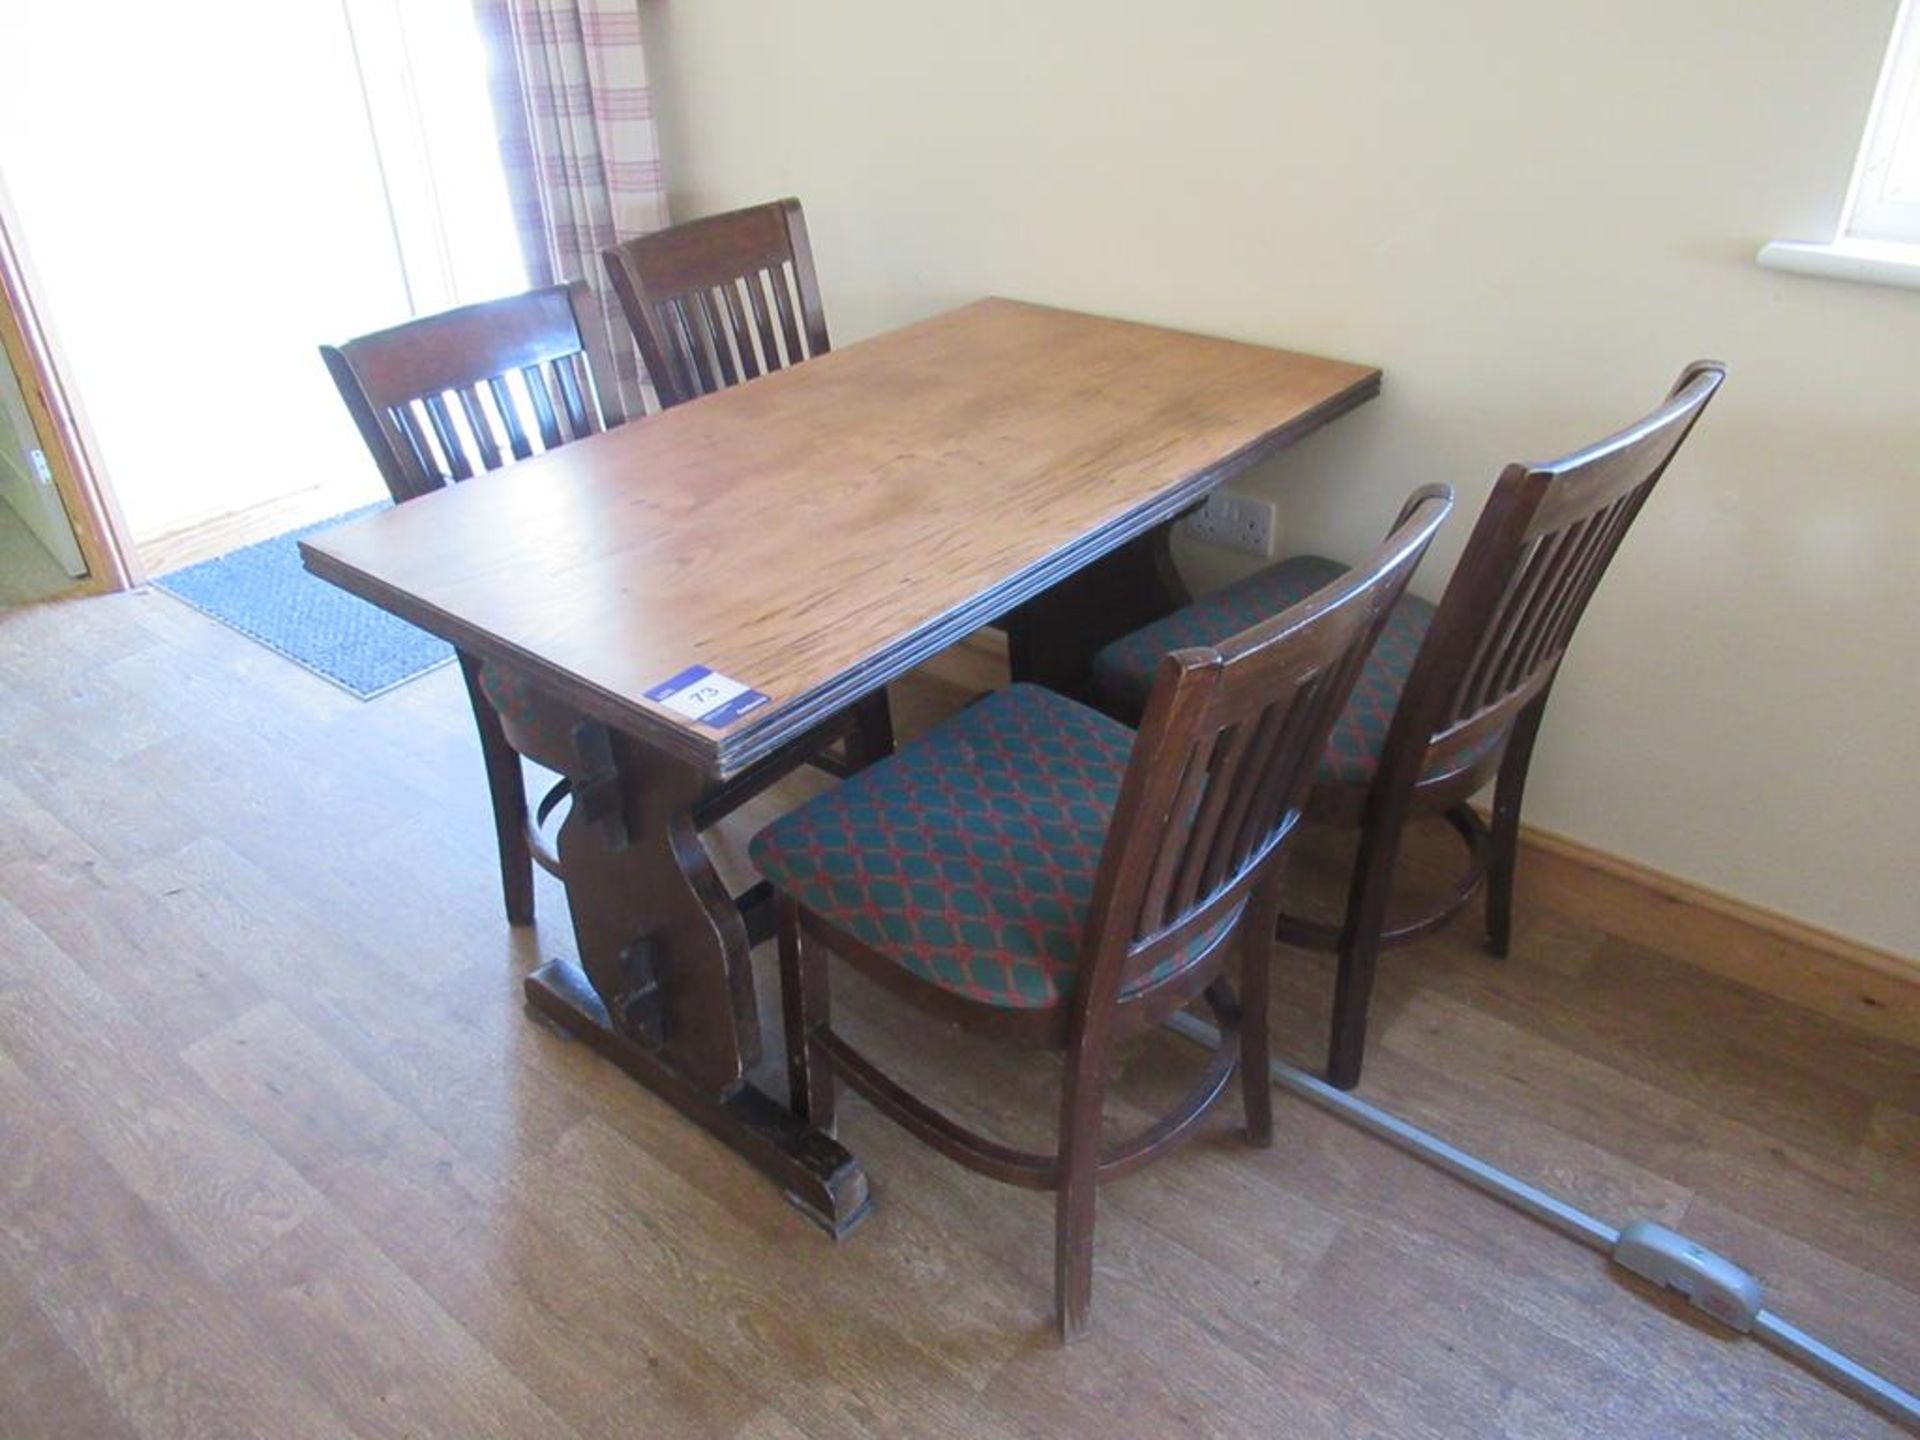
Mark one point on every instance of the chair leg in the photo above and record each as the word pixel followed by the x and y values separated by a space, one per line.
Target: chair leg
pixel 1256 1049
pixel 1505 839
pixel 1352 993
pixel 507 787
pixel 804 1006
pixel 872 737
pixel 1080 1106
pixel 1366 919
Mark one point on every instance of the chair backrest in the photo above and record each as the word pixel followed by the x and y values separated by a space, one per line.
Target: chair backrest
pixel 1226 754
pixel 1531 565
pixel 720 300
pixel 443 397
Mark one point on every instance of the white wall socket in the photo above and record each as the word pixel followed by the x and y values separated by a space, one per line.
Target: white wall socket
pixel 1234 522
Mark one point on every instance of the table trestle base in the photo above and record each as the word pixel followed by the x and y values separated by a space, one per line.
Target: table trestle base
pixel 821 1177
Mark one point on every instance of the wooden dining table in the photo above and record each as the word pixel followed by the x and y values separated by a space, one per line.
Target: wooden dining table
pixel 696 593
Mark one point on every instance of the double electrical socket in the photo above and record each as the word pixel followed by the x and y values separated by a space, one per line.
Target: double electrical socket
pixel 1234 522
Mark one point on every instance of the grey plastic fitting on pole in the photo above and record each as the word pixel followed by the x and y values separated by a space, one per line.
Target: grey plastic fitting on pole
pixel 1713 1284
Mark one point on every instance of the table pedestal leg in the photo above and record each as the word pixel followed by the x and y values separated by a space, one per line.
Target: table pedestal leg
pixel 664 987
pixel 1052 638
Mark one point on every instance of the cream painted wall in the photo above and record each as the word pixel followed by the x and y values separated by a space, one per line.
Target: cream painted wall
pixel 1530 216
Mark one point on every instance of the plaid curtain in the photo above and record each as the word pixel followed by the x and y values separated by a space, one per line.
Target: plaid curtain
pixel 568 79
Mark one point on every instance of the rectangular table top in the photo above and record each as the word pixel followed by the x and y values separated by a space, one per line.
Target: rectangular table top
pixel 821 530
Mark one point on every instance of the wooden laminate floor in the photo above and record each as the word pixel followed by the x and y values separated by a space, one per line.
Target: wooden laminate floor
pixel 285 1157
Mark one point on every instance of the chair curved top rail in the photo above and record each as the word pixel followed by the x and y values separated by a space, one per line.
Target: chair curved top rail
pixel 722 299
pixel 443 397
pixel 1532 564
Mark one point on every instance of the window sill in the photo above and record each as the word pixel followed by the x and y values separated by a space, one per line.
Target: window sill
pixel 1869 262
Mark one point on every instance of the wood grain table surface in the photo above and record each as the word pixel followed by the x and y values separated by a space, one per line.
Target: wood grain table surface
pixel 819 531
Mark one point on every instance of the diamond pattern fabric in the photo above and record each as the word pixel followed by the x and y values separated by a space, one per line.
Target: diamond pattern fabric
pixel 1124 670
pixel 969 856
pixel 537 729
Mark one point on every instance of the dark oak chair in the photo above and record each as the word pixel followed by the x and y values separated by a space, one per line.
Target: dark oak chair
pixel 444 397
pixel 1453 695
pixel 722 299
pixel 1035 871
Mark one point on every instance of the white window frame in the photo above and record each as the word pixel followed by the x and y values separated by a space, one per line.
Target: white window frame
pixel 422 80
pixel 1883 202
pixel 1878 238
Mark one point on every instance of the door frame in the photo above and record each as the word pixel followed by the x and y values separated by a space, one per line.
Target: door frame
pixel 72 453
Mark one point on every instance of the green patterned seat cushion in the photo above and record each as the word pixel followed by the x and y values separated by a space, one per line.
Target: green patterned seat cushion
pixel 1124 671
pixel 537 727
pixel 969 855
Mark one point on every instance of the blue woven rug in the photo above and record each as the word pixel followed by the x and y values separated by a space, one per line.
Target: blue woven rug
pixel 265 593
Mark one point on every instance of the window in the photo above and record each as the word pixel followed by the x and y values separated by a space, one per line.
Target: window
pixel 215 189
pixel 1879 233
pixel 1884 202
pixel 423 77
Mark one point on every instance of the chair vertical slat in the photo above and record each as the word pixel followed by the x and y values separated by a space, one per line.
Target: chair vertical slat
pixel 738 328
pixel 1522 602
pixel 699 368
pixel 763 321
pixel 1531 601
pixel 1617 531
pixel 1477 676
pixel 1561 626
pixel 1583 538
pixel 1186 798
pixel 1283 769
pixel 1290 729
pixel 594 357
pixel 509 410
pixel 543 412
pixel 1533 642
pixel 676 368
pixel 712 322
pixel 1196 843
pixel 1226 851
pixel 579 418
pixel 698 377
pixel 407 420
pixel 479 425
pixel 458 465
pixel 589 402
pixel 783 302
pixel 1459 704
